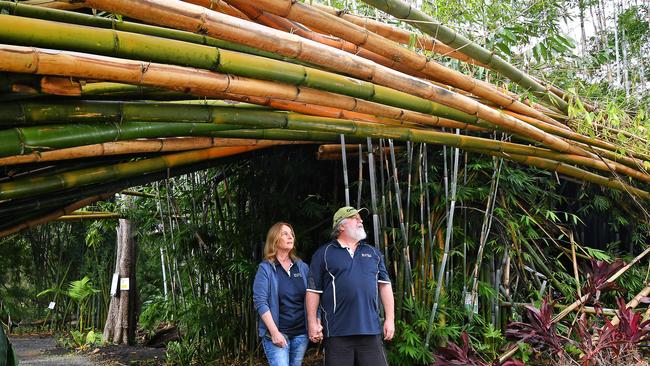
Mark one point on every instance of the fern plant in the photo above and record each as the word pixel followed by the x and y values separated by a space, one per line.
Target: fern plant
pixel 80 291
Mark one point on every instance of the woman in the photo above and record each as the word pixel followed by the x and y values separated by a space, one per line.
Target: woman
pixel 279 298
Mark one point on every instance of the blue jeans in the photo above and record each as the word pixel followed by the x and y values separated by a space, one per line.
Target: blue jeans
pixel 290 355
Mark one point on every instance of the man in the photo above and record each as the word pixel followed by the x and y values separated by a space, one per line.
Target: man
pixel 348 277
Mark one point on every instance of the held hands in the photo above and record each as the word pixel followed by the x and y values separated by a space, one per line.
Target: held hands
pixel 278 339
pixel 389 329
pixel 315 331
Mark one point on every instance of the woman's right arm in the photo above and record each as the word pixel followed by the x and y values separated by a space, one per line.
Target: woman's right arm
pixel 276 337
pixel 261 301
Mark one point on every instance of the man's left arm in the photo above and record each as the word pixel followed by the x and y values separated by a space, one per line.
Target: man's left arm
pixel 386 295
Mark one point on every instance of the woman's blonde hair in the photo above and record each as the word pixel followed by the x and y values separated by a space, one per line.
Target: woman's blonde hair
pixel 273 237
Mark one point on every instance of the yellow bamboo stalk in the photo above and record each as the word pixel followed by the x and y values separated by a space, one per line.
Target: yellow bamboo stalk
pixel 222 7
pixel 633 303
pixel 191 80
pixel 311 16
pixel 53 4
pixel 180 15
pixel 567 133
pixel 139 147
pixel 96 216
pixel 280 23
pixel 423 42
pixel 360 110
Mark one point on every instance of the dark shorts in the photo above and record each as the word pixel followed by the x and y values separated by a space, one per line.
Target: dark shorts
pixel 365 350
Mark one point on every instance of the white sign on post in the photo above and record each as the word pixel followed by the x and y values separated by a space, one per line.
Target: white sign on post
pixel 124 284
pixel 116 277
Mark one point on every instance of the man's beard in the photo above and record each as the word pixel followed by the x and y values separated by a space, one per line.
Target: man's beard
pixel 358 234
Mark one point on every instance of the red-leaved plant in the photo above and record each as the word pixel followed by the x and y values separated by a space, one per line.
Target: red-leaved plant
pixel 611 342
pixel 454 355
pixel 539 331
pixel 597 278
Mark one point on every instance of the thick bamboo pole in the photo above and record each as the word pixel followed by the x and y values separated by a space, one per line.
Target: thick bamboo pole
pixel 280 23
pixel 54 4
pixel 222 7
pixel 205 119
pixel 191 17
pixel 29 186
pixel 285 25
pixel 446 35
pixel 423 42
pixel 107 90
pixel 428 43
pixel 36 206
pixel 408 118
pixel 19 9
pixel 139 147
pixel 36 112
pixel 22 140
pixel 332 105
pixel 135 46
pixel 202 82
pixel 574 136
pixel 313 17
pixel 96 216
pixel 363 129
pixel 633 303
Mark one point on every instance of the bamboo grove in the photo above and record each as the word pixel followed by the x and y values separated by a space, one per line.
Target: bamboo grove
pixel 97 96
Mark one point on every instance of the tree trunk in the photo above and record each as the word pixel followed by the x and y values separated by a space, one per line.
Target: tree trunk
pixel 121 320
pixel 583 34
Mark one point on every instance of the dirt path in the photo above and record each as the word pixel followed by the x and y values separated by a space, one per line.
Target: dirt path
pixel 37 351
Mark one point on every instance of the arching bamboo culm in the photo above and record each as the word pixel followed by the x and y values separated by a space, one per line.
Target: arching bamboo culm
pixel 191 17
pixel 446 35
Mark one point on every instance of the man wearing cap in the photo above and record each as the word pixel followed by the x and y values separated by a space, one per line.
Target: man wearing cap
pixel 348 278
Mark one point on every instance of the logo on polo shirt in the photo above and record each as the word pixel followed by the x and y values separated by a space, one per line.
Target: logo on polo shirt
pixel 366 255
pixel 297 275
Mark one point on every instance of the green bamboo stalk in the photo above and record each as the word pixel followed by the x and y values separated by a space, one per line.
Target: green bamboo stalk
pixel 30 11
pixel 29 186
pixel 38 206
pixel 121 91
pixel 109 42
pixel 331 24
pixel 181 15
pixel 36 112
pixel 48 112
pixel 446 35
pixel 570 171
pixel 140 146
pixel 200 82
pixel 24 140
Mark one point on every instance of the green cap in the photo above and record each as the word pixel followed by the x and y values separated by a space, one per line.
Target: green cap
pixel 344 213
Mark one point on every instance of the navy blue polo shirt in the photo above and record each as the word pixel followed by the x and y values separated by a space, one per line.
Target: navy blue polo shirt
pixel 291 293
pixel 349 288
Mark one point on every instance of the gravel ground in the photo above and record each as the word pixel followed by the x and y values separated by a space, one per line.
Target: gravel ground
pixel 42 351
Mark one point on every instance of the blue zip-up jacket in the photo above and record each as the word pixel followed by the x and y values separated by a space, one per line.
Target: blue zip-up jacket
pixel 265 292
